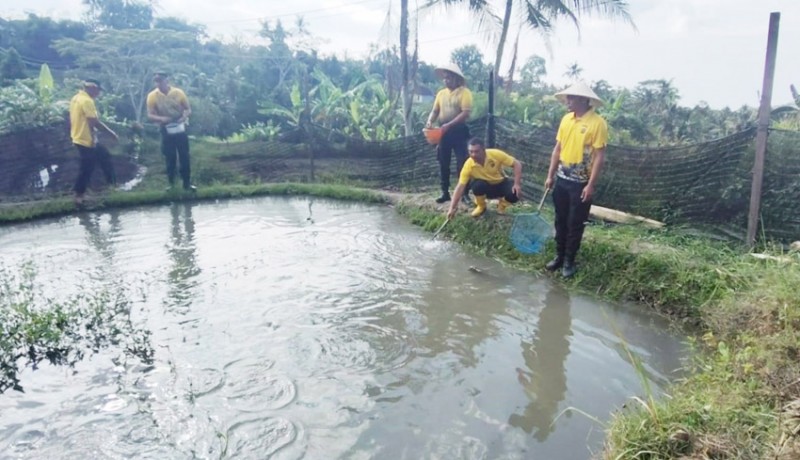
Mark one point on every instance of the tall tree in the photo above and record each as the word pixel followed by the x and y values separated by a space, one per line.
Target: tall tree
pixel 533 71
pixel 119 14
pixel 574 71
pixel 405 78
pixel 539 15
pixel 470 60
pixel 125 59
pixel 12 67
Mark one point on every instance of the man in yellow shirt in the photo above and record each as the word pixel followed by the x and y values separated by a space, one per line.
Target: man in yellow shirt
pixel 83 127
pixel 483 172
pixel 451 109
pixel 169 107
pixel 575 167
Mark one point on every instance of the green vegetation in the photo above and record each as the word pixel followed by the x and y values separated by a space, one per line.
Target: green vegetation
pixel 34 328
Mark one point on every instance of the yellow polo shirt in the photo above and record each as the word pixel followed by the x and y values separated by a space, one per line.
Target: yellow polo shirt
pixel 491 170
pixel 81 108
pixel 579 138
pixel 169 105
pixel 452 102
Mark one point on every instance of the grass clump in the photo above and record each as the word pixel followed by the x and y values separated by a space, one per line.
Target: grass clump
pixel 34 328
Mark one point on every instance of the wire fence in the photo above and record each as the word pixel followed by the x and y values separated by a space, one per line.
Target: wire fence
pixel 704 186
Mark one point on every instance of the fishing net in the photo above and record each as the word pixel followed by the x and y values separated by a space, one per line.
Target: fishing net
pixel 530 232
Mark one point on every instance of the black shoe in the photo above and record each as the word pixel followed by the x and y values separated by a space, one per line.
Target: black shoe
pixel 190 188
pixel 554 264
pixel 444 198
pixel 569 269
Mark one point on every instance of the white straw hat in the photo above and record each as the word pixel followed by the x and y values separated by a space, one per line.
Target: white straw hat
pixel 580 89
pixel 450 68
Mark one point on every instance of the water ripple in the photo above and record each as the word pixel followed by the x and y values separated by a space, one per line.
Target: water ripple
pixel 250 388
pixel 260 438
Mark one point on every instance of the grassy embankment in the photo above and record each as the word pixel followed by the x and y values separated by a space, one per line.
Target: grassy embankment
pixel 743 399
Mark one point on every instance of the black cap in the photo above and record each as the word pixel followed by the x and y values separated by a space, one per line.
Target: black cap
pixel 92 82
pixel 161 73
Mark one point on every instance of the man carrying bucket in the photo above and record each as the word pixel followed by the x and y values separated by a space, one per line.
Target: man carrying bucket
pixel 451 108
pixel 484 172
pixel 575 167
pixel 169 107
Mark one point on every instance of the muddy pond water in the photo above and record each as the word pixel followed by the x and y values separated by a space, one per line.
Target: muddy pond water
pixel 296 328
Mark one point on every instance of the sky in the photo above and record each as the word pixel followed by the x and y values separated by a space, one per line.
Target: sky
pixel 712 51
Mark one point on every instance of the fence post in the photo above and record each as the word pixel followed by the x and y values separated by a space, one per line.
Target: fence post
pixel 305 120
pixel 763 128
pixel 490 135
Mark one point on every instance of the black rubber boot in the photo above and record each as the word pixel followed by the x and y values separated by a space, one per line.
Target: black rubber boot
pixel 555 264
pixel 569 269
pixel 444 198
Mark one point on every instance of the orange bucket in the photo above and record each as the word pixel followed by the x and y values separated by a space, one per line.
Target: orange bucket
pixel 432 135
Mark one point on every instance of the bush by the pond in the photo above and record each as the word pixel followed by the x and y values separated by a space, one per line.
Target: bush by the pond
pixel 34 329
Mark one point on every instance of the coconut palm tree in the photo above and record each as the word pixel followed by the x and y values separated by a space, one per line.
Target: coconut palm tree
pixel 539 15
pixel 574 71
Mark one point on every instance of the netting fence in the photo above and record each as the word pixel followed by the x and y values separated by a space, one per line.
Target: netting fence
pixel 704 186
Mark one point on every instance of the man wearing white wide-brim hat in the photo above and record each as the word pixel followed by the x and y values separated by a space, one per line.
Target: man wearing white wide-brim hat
pixel 451 109
pixel 575 167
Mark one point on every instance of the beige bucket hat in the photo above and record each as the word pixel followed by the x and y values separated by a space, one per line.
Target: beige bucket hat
pixel 580 89
pixel 449 68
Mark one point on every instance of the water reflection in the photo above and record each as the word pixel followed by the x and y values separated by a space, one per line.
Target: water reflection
pixel 458 311
pixel 545 354
pixel 182 250
pixel 97 238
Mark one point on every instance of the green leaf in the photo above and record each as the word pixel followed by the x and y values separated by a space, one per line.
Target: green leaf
pixel 46 83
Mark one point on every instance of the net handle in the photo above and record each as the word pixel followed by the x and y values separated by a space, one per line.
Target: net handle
pixel 440 228
pixel 541 203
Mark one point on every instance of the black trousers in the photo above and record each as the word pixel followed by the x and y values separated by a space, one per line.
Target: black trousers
pixel 571 216
pixel 454 141
pixel 500 190
pixel 89 157
pixel 175 148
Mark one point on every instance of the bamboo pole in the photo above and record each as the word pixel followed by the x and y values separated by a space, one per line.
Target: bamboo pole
pixel 763 128
pixel 490 124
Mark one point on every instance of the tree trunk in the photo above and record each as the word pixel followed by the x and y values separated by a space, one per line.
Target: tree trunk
pixel 503 36
pixel 405 88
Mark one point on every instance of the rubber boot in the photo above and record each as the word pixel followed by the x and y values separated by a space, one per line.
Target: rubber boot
pixel 555 264
pixel 444 198
pixel 569 269
pixel 480 206
pixel 502 205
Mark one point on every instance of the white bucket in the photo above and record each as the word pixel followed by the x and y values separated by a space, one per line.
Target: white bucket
pixel 175 128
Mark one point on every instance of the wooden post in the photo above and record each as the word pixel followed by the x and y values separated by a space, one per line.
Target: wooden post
pixel 763 128
pixel 305 120
pixel 490 135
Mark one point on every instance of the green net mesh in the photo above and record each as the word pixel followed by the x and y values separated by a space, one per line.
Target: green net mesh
pixel 704 186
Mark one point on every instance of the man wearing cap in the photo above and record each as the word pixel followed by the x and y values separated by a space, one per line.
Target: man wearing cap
pixel 575 167
pixel 484 171
pixel 83 127
pixel 451 109
pixel 169 107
